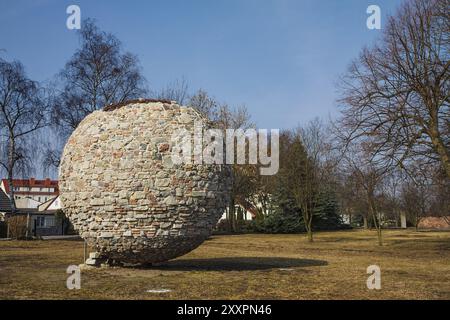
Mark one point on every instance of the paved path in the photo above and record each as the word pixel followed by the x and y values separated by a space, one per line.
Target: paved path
pixel 60 237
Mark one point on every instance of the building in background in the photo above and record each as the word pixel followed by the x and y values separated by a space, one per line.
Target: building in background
pixel 38 201
pixel 37 190
pixel 5 206
pixel 53 204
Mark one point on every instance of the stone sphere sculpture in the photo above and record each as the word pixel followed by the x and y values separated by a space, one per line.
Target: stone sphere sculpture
pixel 123 193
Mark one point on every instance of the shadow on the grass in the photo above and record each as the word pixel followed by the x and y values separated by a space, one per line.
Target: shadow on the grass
pixel 237 264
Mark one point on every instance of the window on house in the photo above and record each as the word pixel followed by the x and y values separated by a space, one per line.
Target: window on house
pixel 50 222
pixel 40 222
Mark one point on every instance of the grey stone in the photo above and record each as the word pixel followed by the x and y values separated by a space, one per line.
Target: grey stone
pixel 197 194
pixel 106 235
pixel 94 255
pixel 171 201
pixel 92 262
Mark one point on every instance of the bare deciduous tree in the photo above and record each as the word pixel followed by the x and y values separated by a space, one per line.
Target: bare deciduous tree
pixel 175 91
pixel 302 183
pixel 396 94
pixel 304 169
pixel 424 193
pixel 205 104
pixel 317 170
pixel 414 202
pixel 352 197
pixel 358 161
pixel 23 111
pixel 244 177
pixel 98 74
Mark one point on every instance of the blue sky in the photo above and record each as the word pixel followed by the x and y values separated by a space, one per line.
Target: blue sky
pixel 281 58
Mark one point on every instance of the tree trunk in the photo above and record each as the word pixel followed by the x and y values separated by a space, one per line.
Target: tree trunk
pixel 380 237
pixel 403 222
pixel 308 226
pixel 310 235
pixel 378 227
pixel 11 160
pixel 27 233
pixel 376 217
pixel 231 216
pixel 239 218
pixel 307 218
pixel 365 222
pixel 441 149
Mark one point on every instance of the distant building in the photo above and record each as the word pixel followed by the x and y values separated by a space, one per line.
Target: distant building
pixel 435 223
pixel 37 190
pixel 29 194
pixel 248 210
pixel 5 206
pixel 27 203
pixel 53 204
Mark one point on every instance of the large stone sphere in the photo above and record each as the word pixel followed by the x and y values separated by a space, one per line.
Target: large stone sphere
pixel 124 194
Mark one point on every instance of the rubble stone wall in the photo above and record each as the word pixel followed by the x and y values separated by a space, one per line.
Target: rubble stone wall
pixel 125 196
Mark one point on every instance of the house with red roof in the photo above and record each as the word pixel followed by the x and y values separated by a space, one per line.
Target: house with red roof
pixel 36 199
pixel 37 190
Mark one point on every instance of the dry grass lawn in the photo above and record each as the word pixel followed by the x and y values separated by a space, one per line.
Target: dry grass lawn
pixel 414 265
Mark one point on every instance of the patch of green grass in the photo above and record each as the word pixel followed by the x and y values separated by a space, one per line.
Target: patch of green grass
pixel 414 265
